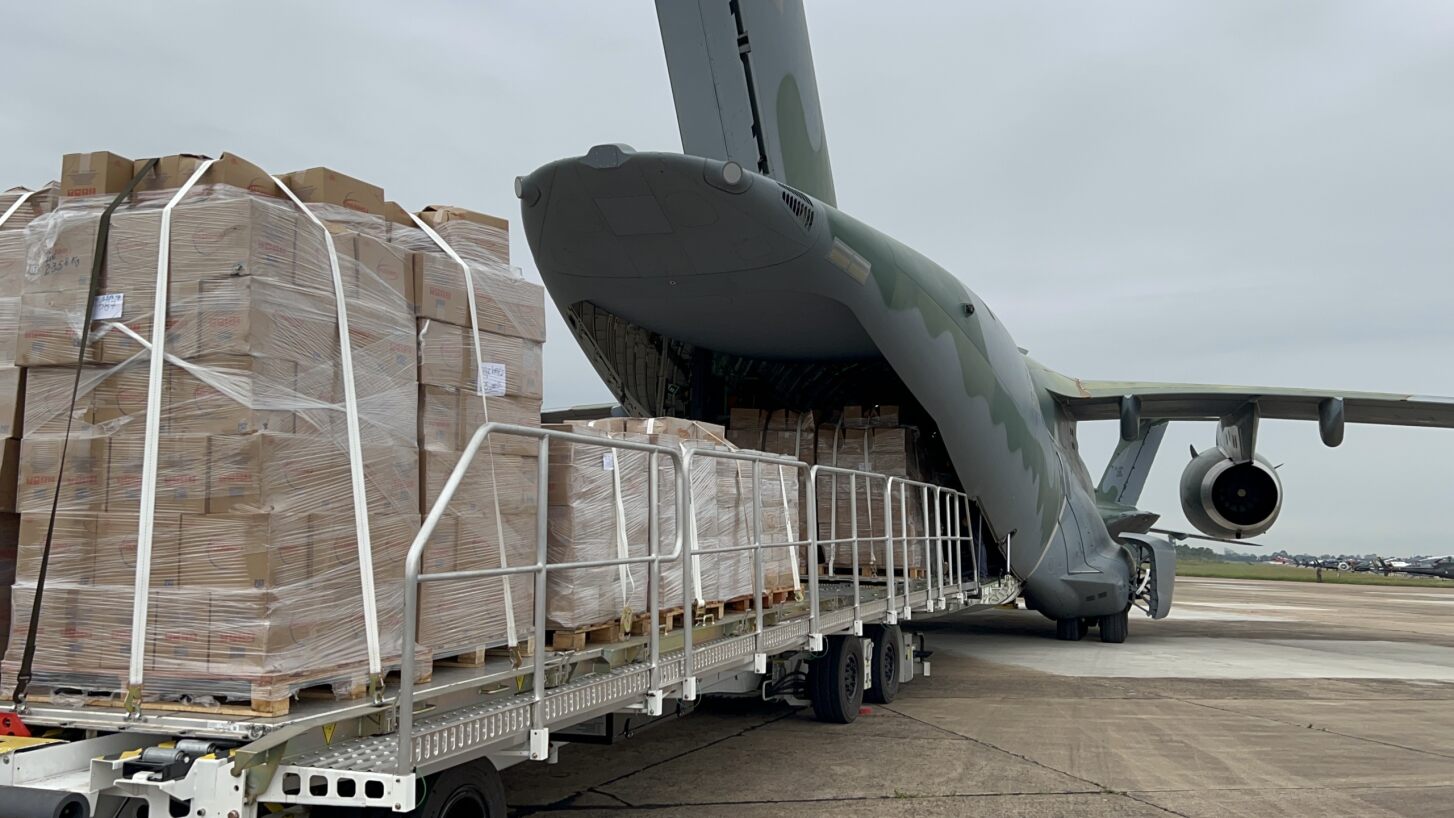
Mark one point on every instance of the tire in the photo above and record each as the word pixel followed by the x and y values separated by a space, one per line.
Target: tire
pixel 835 681
pixel 1114 627
pixel 1070 630
pixel 884 670
pixel 472 790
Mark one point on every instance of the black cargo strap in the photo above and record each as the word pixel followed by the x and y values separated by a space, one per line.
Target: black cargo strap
pixel 103 231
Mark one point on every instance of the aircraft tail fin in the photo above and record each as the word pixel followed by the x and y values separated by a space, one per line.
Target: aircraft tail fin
pixel 745 90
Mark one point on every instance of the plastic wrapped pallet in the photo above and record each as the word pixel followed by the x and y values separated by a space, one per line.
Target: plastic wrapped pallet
pixel 492 520
pixel 255 586
pixel 890 450
pixel 598 510
pixel 778 505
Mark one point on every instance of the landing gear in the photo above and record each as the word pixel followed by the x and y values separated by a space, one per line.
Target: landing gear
pixel 1114 627
pixel 888 652
pixel 835 680
pixel 1071 630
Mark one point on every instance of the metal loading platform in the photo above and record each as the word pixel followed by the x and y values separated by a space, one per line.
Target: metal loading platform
pixel 374 753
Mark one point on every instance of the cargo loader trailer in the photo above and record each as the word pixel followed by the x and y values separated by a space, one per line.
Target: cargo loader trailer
pixel 434 747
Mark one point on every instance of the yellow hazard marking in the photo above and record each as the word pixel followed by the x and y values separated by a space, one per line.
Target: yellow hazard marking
pixel 328 734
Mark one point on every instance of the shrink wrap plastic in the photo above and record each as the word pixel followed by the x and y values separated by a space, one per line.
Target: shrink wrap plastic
pixel 255 585
pixel 599 509
pixel 889 450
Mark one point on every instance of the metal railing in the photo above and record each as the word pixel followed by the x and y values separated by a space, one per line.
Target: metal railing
pixel 540 568
pixel 941 541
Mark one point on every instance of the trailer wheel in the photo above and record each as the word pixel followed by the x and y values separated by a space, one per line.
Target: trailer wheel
pixel 835 680
pixel 1114 627
pixel 1071 630
pixel 472 790
pixel 888 652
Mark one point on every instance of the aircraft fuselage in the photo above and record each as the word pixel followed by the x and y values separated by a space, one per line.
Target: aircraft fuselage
pixel 703 252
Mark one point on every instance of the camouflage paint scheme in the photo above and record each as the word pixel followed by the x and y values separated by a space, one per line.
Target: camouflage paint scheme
pixel 614 228
pixel 764 265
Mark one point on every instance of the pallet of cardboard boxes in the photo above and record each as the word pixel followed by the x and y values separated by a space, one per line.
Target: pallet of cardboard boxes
pixel 255 586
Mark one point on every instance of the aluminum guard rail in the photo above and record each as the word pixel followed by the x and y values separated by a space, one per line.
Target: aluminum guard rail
pixel 943 539
pixel 947 526
pixel 541 568
pixel 854 540
pixel 756 546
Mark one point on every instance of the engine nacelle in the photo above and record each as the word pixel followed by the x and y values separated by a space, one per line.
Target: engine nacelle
pixel 1231 500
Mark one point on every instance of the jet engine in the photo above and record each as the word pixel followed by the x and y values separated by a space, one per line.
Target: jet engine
pixel 1224 498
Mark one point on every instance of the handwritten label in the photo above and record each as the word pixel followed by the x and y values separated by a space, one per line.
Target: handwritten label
pixel 492 380
pixel 108 307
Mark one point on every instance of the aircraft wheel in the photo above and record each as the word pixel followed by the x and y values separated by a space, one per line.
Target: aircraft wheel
pixel 1114 627
pixel 835 680
pixel 1070 630
pixel 888 652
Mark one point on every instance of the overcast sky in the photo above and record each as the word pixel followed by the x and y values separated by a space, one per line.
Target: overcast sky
pixel 1229 191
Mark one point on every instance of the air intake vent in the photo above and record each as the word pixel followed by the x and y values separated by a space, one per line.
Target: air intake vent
pixel 801 207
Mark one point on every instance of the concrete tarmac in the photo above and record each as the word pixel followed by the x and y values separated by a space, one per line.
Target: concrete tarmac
pixel 1253 698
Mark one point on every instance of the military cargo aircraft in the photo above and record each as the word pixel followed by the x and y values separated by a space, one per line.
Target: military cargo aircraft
pixel 733 268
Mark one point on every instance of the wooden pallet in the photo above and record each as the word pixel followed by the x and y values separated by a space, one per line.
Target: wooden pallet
pixel 577 638
pixel 770 599
pixel 225 695
pixel 669 619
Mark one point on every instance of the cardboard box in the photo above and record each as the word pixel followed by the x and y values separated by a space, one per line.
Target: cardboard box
pixel 335 551
pixel 245 551
pixel 48 397
pixel 116 539
pixel 449 417
pixel 51 637
pixel 62 252
pixel 384 273
pixel 9 330
pixel 83 486
pixel 257 635
pixel 512 366
pixel 233 394
pixel 326 186
pixel 179 643
pixel 230 169
pixel 866 417
pixel 181 482
pixel 247 236
pixel 12 401
pixel 36 205
pixel 272 473
pixel 136 313
pixel 50 330
pixel 12 262
pixel 478 237
pixel 260 317
pixel 94 174
pixel 73 549
pixel 504 303
pixel 513 479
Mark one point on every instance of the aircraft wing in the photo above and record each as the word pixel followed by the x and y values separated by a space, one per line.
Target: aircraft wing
pixel 1102 400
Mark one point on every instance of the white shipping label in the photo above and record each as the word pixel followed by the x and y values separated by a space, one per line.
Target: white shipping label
pixel 492 380
pixel 108 307
pixel 608 462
